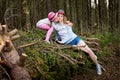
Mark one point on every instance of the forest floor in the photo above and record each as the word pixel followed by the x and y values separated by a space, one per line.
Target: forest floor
pixel 110 63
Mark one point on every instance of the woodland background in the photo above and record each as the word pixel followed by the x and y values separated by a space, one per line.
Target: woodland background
pixel 91 18
pixel 87 16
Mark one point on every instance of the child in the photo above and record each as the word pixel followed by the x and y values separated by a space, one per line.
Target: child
pixel 46 24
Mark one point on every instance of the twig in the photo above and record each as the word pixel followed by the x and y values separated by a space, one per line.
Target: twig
pixel 26 45
pixel 72 62
pixel 5 72
pixel 30 44
pixel 11 33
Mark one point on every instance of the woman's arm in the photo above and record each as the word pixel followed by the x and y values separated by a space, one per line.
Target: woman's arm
pixel 69 23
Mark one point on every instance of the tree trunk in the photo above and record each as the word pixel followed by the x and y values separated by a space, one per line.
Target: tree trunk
pixel 26 14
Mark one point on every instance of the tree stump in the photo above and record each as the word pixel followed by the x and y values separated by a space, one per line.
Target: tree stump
pixel 9 57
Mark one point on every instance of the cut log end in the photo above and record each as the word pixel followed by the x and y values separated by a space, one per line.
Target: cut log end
pixel 13 32
pixel 4 29
pixel 22 59
pixel 15 37
pixel 7 47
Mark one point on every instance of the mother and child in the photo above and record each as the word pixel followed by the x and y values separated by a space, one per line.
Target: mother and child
pixel 64 34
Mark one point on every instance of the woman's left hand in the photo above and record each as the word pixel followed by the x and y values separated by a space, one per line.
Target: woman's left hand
pixel 69 23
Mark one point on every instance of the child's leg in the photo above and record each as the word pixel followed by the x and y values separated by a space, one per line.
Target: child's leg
pixel 49 34
pixel 49 30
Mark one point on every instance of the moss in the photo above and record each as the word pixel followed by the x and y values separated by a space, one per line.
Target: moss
pixel 44 63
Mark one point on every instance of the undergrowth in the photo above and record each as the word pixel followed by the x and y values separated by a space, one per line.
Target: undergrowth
pixel 44 63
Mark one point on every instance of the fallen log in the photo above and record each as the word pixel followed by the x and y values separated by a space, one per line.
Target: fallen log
pixel 10 58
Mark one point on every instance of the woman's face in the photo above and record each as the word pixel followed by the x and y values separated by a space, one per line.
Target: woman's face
pixel 60 17
pixel 56 19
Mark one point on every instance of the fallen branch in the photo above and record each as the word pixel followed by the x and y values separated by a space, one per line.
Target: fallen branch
pixel 92 43
pixel 15 37
pixel 13 32
pixel 67 57
pixel 22 59
pixel 93 39
pixel 30 44
pixel 26 45
pixel 74 60
pixel 4 29
pixel 5 72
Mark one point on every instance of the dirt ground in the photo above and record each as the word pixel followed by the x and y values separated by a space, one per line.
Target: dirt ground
pixel 112 66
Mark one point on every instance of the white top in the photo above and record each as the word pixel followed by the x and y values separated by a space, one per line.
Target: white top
pixel 43 21
pixel 65 32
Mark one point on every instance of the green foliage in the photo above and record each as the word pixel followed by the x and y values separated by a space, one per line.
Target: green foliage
pixel 109 42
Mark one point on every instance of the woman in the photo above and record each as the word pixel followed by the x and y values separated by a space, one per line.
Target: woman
pixel 70 38
pixel 45 24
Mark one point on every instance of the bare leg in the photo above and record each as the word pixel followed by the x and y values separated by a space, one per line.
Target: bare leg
pixel 82 46
pixel 88 50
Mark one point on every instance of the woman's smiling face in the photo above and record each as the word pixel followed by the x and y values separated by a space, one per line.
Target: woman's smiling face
pixel 60 17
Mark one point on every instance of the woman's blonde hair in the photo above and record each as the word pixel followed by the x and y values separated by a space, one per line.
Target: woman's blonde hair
pixel 64 19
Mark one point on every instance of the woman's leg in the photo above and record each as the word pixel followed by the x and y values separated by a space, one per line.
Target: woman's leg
pixel 83 46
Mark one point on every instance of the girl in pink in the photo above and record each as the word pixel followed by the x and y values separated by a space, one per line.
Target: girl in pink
pixel 46 24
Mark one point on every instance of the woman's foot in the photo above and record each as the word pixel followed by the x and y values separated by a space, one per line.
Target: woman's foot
pixel 98 67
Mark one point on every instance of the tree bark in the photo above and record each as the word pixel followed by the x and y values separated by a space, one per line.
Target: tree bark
pixel 10 57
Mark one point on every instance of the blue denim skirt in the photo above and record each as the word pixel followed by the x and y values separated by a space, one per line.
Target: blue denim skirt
pixel 75 41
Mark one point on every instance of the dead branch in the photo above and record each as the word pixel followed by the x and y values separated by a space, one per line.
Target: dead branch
pixel 26 45
pixel 15 37
pixel 4 29
pixel 13 32
pixel 10 57
pixel 93 39
pixel 7 47
pixel 92 43
pixel 5 72
pixel 4 61
pixel 0 59
pixel 1 43
pixel 22 59
pixel 0 27
pixel 74 60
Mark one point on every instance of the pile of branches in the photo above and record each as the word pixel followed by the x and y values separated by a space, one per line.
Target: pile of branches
pixel 46 58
